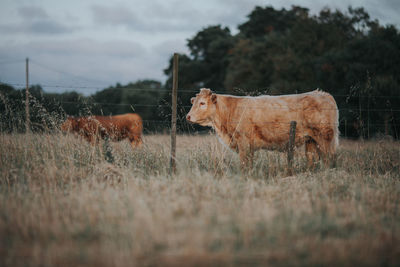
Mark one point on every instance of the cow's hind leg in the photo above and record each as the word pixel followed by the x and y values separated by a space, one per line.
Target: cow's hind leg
pixel 91 138
pixel 312 153
pixel 324 151
pixel 329 157
pixel 327 145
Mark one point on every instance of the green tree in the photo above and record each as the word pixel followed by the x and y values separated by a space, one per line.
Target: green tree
pixel 264 21
pixel 206 65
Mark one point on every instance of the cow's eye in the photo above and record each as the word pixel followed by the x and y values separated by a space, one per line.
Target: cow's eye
pixel 202 103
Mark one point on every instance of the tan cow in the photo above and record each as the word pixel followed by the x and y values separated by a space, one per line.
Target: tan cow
pixel 246 124
pixel 116 128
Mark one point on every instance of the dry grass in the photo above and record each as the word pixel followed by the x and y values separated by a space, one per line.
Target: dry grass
pixel 62 204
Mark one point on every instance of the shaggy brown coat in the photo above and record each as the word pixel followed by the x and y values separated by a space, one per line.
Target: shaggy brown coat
pixel 116 128
pixel 246 124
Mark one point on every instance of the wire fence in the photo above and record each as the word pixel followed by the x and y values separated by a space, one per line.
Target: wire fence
pixel 358 120
pixel 159 120
pixel 237 92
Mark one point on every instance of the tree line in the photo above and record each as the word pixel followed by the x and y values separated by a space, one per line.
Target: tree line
pixel 48 110
pixel 275 51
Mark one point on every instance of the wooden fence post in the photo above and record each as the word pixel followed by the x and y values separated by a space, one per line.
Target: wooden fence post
pixel 107 150
pixel 173 118
pixel 27 118
pixel 292 134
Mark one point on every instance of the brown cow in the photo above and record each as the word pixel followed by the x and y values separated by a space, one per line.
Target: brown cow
pixel 116 128
pixel 246 124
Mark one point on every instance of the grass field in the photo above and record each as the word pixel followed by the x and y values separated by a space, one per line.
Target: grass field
pixel 63 204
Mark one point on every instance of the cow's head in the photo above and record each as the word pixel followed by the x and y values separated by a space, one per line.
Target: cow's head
pixel 203 108
pixel 70 125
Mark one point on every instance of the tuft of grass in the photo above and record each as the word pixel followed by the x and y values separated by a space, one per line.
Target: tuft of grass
pixel 63 204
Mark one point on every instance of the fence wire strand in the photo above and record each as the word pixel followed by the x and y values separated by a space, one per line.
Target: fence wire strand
pixel 164 90
pixel 185 126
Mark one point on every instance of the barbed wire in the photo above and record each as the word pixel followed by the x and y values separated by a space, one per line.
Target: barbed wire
pixel 234 123
pixel 189 106
pixel 355 109
pixel 112 104
pixel 67 73
pixel 6 62
pixel 164 90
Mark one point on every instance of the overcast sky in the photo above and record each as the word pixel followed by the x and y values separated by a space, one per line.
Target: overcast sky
pixel 89 45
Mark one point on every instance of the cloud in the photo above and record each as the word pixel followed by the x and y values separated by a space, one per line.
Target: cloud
pixel 35 20
pixel 115 15
pixel 48 27
pixel 32 12
pixel 42 27
pixel 152 18
pixel 386 11
pixel 166 49
pixel 82 48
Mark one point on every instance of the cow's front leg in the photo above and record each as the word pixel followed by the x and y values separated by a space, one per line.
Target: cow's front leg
pixel 312 153
pixel 135 141
pixel 330 160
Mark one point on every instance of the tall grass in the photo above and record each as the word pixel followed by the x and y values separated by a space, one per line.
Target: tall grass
pixel 63 204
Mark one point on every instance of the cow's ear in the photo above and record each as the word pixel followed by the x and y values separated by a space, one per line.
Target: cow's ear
pixel 214 98
pixel 192 100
